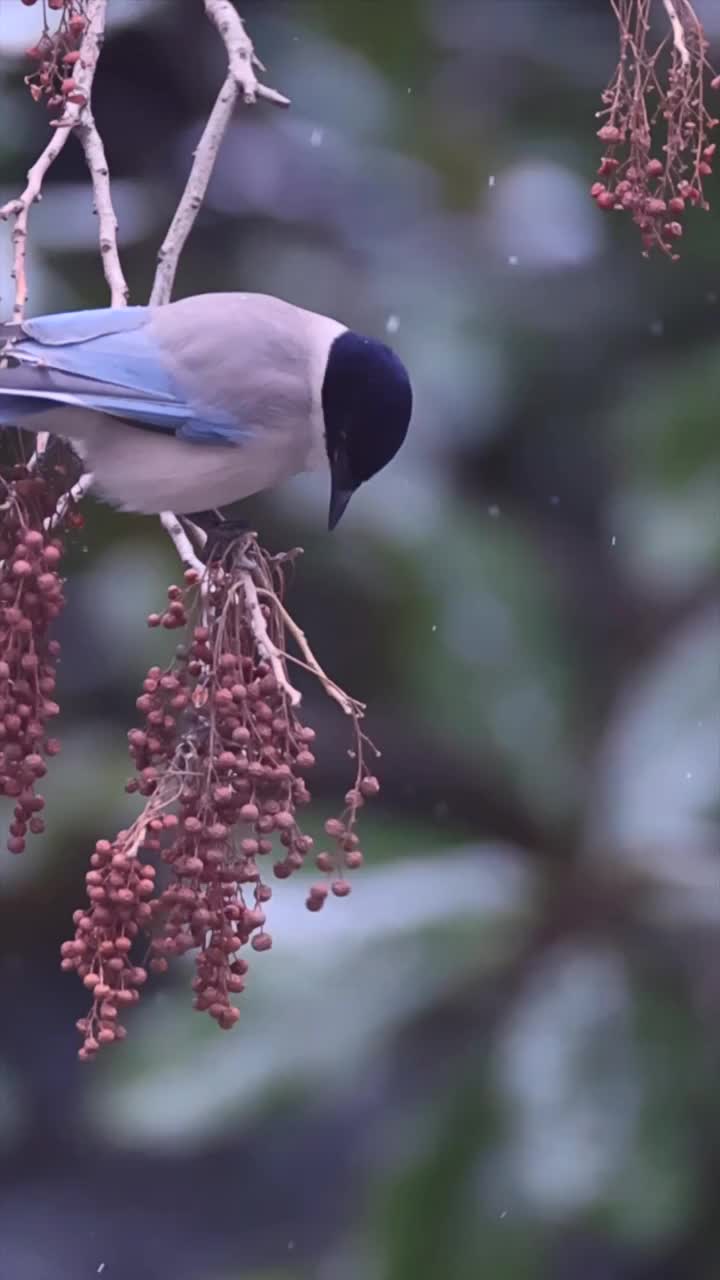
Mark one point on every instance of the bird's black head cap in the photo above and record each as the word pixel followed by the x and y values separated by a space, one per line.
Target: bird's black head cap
pixel 367 402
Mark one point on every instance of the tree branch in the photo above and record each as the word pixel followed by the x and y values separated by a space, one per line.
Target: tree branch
pixel 94 149
pixel 241 55
pixel 240 79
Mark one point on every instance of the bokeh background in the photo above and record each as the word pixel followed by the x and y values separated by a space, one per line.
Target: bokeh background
pixel 500 1057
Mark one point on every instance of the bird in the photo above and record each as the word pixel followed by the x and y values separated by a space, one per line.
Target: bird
pixel 191 406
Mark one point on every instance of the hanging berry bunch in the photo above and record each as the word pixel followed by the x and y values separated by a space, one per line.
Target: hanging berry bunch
pixel 221 761
pixel 31 597
pixel 657 124
pixel 57 54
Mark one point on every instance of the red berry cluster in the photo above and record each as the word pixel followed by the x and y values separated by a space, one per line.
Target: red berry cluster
pixel 221 761
pixel 58 55
pixel 31 597
pixel 118 889
pixel 656 106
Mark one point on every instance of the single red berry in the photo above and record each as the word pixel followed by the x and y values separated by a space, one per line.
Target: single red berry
pixel 370 785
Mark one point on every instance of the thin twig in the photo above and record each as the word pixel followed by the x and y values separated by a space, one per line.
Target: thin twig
pixel 192 197
pixel 350 706
pixel 241 55
pixel 240 79
pixel 65 500
pixel 19 209
pixel 97 164
pixel 267 648
pixel 183 545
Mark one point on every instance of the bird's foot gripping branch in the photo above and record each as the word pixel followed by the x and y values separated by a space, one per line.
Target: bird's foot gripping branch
pixel 221 759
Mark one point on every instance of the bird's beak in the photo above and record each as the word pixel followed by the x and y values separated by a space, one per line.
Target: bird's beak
pixel 339 499
pixel 341 490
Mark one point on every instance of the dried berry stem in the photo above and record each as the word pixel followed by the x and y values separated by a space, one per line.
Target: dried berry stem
pixel 260 633
pixel 656 123
pixel 350 706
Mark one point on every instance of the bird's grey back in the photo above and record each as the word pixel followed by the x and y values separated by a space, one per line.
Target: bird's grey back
pixel 245 354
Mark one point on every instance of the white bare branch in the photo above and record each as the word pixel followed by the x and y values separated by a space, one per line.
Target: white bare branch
pixel 678 32
pixel 242 59
pixel 183 545
pixel 240 80
pixel 94 149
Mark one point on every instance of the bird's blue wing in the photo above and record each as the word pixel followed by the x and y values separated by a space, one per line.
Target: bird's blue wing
pixel 110 346
pixel 67 328
pixel 104 360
